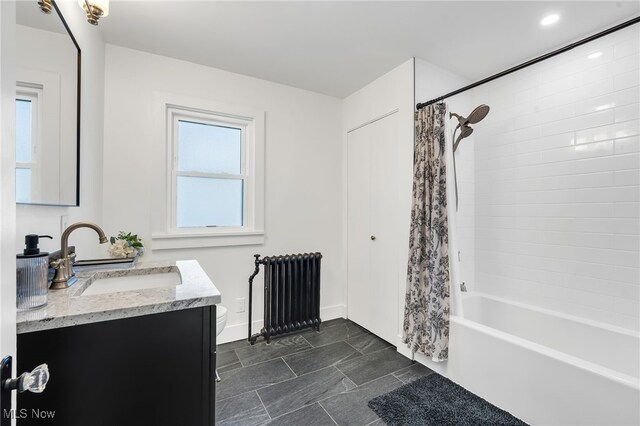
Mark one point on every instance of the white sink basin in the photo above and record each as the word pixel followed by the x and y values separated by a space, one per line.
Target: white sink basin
pixel 132 283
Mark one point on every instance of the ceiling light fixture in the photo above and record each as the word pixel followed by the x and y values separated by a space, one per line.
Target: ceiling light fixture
pixel 595 55
pixel 549 20
pixel 95 9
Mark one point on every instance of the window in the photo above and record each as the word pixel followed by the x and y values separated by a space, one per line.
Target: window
pixel 209 170
pixel 27 130
pixel 215 170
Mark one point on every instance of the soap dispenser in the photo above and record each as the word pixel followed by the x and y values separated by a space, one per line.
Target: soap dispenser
pixel 32 267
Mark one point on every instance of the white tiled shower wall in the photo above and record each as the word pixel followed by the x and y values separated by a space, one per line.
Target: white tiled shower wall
pixel 557 183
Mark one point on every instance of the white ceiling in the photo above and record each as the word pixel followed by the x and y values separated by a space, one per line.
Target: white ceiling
pixel 338 47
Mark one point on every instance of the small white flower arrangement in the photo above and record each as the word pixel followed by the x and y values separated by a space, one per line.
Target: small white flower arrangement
pixel 126 245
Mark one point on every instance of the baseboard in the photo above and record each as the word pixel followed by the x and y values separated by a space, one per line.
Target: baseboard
pixel 332 312
pixel 233 332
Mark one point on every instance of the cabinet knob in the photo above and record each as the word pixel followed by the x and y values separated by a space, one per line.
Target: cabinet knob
pixel 373 238
pixel 35 381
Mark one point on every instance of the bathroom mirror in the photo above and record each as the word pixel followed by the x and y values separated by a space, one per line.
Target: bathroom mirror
pixel 47 108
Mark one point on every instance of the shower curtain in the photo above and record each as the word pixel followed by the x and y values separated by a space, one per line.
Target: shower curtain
pixel 426 312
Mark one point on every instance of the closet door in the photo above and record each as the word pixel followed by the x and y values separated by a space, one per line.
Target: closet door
pixel 372 227
pixel 359 226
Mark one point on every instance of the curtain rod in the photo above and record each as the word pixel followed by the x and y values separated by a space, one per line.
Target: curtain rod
pixel 533 61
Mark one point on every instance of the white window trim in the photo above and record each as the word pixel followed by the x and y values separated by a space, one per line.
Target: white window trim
pixel 175 115
pixel 32 93
pixel 173 107
pixel 53 160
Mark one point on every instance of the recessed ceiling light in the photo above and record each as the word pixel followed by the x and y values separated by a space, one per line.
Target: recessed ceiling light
pixel 548 20
pixel 595 55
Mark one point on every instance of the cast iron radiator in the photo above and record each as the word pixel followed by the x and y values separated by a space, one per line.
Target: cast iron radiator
pixel 291 294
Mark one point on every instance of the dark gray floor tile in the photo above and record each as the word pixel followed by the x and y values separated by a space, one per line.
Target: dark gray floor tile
pixel 246 379
pixel 227 361
pixel 230 367
pixel 367 343
pixel 311 415
pixel 414 372
pixel 333 334
pixel 292 394
pixel 377 364
pixel 277 348
pixel 350 408
pixel 241 410
pixel 335 321
pixel 317 358
pixel 225 347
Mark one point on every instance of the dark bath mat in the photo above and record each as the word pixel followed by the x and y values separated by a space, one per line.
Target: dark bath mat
pixel 436 401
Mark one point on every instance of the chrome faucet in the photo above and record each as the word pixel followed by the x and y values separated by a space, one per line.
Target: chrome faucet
pixel 65 275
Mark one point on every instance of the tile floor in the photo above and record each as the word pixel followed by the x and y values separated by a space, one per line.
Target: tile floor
pixel 310 378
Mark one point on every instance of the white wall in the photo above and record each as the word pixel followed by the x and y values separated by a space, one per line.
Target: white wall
pixel 303 171
pixel 391 92
pixel 558 183
pixel 46 220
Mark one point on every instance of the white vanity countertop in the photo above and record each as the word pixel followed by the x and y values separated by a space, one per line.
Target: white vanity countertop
pixel 67 308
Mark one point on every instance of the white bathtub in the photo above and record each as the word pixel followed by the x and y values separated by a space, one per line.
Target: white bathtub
pixel 544 367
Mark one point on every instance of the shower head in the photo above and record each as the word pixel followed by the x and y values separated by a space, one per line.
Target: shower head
pixel 478 114
pixel 465 131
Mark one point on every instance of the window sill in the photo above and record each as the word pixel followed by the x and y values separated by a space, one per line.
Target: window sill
pixel 201 240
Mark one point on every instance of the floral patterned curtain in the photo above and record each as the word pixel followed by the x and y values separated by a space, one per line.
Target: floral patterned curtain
pixel 426 312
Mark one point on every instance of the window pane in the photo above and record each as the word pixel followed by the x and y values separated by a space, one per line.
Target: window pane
pixel 23 131
pixel 23 185
pixel 205 202
pixel 208 148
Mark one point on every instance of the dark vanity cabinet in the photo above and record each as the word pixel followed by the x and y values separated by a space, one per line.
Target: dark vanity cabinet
pixel 155 369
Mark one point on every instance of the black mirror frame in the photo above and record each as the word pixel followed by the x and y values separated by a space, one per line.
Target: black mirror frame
pixel 78 104
pixel 78 100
